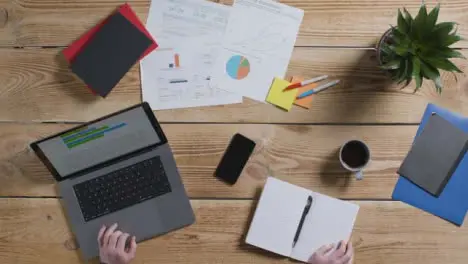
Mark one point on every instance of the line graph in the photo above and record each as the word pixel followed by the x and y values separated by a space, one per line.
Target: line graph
pixel 265 39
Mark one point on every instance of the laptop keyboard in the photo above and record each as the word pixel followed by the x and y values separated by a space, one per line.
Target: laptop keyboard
pixel 122 188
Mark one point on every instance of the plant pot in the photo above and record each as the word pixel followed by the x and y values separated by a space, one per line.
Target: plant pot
pixel 386 38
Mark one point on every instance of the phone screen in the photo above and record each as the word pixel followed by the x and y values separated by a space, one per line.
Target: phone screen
pixel 234 159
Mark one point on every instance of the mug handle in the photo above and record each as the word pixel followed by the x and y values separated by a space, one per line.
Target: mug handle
pixel 359 175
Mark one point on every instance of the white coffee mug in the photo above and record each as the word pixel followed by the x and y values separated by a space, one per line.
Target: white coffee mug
pixel 355 156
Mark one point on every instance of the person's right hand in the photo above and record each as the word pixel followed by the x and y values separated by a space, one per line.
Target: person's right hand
pixel 332 255
pixel 113 248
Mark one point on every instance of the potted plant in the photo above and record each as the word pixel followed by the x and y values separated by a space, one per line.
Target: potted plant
pixel 417 48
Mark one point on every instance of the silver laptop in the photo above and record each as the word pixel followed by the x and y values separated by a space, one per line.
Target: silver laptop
pixel 117 169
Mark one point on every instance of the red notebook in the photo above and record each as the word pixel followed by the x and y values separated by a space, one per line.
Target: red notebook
pixel 72 51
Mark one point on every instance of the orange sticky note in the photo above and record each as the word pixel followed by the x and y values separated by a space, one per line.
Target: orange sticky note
pixel 305 102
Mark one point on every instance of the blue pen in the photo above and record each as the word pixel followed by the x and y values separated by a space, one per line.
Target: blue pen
pixel 318 89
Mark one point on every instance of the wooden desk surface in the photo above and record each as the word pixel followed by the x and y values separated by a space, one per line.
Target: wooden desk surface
pixel 40 96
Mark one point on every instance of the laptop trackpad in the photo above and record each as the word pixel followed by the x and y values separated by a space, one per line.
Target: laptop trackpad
pixel 141 220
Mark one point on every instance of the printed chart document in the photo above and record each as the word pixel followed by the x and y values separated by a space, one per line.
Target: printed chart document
pixel 279 212
pixel 257 47
pixel 178 74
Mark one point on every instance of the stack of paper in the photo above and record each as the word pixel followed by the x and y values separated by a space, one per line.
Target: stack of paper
pixel 257 47
pixel 178 74
pixel 215 54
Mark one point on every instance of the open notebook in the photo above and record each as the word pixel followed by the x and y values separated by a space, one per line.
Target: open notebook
pixel 279 212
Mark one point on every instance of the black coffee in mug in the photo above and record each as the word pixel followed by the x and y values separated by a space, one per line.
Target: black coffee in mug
pixel 355 154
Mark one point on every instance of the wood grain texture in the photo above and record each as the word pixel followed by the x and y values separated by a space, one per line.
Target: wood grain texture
pixel 34 231
pixel 36 84
pixel 326 22
pixel 303 155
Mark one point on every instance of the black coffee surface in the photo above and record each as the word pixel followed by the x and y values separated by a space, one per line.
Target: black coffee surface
pixel 355 154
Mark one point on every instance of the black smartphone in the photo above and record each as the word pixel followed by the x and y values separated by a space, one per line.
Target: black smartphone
pixel 234 159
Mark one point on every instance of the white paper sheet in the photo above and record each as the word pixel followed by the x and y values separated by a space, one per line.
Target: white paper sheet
pixel 278 214
pixel 193 30
pixel 330 220
pixel 257 47
pixel 174 22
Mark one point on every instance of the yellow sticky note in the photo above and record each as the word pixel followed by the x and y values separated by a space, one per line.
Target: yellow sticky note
pixel 279 98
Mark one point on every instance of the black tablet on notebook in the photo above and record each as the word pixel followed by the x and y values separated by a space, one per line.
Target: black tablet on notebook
pixel 110 54
pixel 435 155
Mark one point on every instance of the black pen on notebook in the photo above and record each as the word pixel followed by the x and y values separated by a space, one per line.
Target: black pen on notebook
pixel 304 214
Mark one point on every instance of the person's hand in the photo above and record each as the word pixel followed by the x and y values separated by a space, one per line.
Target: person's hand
pixel 113 247
pixel 332 255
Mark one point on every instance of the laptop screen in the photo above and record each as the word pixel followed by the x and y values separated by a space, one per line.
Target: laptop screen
pixel 100 141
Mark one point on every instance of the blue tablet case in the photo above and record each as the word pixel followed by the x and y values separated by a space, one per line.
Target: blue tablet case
pixel 452 204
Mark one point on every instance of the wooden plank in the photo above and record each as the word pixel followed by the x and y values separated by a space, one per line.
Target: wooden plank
pixel 303 155
pixel 36 84
pixel 35 231
pixel 326 22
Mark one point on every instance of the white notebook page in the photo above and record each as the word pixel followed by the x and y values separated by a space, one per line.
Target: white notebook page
pixel 277 216
pixel 329 221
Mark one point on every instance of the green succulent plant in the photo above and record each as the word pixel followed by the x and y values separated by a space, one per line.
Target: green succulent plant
pixel 418 48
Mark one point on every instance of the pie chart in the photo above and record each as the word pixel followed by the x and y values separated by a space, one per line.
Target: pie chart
pixel 238 67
